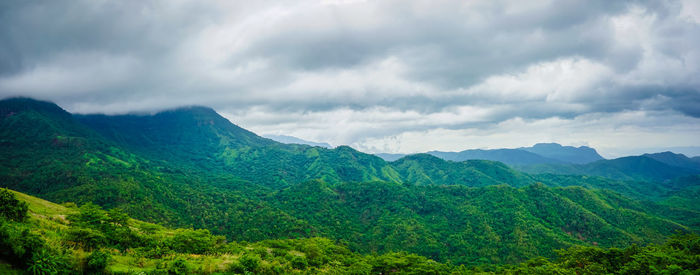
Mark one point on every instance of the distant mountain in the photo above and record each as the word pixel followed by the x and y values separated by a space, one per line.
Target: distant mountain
pixel 635 168
pixel 390 157
pixel 507 156
pixel 541 153
pixel 568 154
pixel 678 160
pixel 295 140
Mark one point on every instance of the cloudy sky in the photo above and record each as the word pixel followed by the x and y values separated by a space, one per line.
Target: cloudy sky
pixel 381 76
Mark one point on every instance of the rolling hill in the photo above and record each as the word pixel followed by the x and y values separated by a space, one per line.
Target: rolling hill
pixel 190 167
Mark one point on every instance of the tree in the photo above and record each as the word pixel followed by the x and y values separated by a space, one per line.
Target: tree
pixel 11 208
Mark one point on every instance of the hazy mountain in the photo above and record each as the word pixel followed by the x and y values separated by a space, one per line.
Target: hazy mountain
pixel 507 156
pixel 390 157
pixel 541 153
pixel 678 160
pixel 569 154
pixel 295 140
pixel 636 168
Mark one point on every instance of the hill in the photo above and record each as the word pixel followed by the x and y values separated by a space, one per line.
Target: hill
pixel 541 153
pixel 42 237
pixel 65 239
pixel 567 154
pixel 677 160
pixel 633 168
pixel 296 140
pixel 493 224
pixel 507 156
pixel 190 167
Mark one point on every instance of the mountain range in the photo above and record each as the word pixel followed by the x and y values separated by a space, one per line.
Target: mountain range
pixel 190 167
pixel 541 153
pixel 296 140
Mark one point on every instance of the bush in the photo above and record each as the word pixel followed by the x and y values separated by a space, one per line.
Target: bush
pixel 11 208
pixel 98 260
pixel 250 262
pixel 45 262
pixel 193 241
pixel 90 215
pixel 86 237
pixel 299 262
pixel 178 266
pixel 19 245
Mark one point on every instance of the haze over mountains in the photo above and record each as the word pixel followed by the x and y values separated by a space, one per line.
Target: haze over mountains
pixel 191 167
pixel 295 140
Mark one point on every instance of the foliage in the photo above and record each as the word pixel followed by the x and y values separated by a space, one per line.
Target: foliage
pixel 11 208
pixel 191 168
pixel 98 260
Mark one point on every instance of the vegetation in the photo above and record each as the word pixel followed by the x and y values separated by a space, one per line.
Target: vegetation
pixel 43 244
pixel 248 204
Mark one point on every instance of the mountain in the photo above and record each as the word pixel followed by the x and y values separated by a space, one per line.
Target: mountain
pixel 677 160
pixel 632 168
pixel 541 153
pixel 199 136
pixel 567 154
pixel 190 167
pixel 428 169
pixel 507 156
pixel 295 140
pixel 390 157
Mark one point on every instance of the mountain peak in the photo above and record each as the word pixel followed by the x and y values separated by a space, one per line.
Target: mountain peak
pixel 9 106
pixel 570 154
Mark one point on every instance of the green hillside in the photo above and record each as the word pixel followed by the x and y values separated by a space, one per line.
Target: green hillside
pixel 192 168
pixel 493 224
pixel 41 237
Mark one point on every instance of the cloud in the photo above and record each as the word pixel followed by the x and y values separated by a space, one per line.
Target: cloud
pixel 367 72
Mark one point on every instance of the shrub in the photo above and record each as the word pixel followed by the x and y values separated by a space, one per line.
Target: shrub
pixel 299 262
pixel 19 245
pixel 193 241
pixel 86 237
pixel 250 262
pixel 11 208
pixel 45 262
pixel 178 266
pixel 98 260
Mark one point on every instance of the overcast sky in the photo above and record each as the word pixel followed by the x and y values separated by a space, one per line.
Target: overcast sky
pixel 381 76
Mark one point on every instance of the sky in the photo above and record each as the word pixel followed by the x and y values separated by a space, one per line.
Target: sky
pixel 381 76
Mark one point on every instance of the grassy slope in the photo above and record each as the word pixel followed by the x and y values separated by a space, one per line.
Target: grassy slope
pixel 315 255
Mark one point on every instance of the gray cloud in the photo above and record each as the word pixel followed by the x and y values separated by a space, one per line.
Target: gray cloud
pixel 381 70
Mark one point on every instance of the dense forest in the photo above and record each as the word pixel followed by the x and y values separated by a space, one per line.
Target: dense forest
pixel 250 204
pixel 45 238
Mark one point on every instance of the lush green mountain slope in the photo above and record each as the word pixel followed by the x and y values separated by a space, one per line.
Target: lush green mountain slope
pixel 199 136
pixel 64 239
pixel 471 225
pixel 40 237
pixel 190 167
pixel 428 169
pixel 568 154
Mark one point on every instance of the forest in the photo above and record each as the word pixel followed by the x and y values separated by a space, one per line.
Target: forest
pixel 187 191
